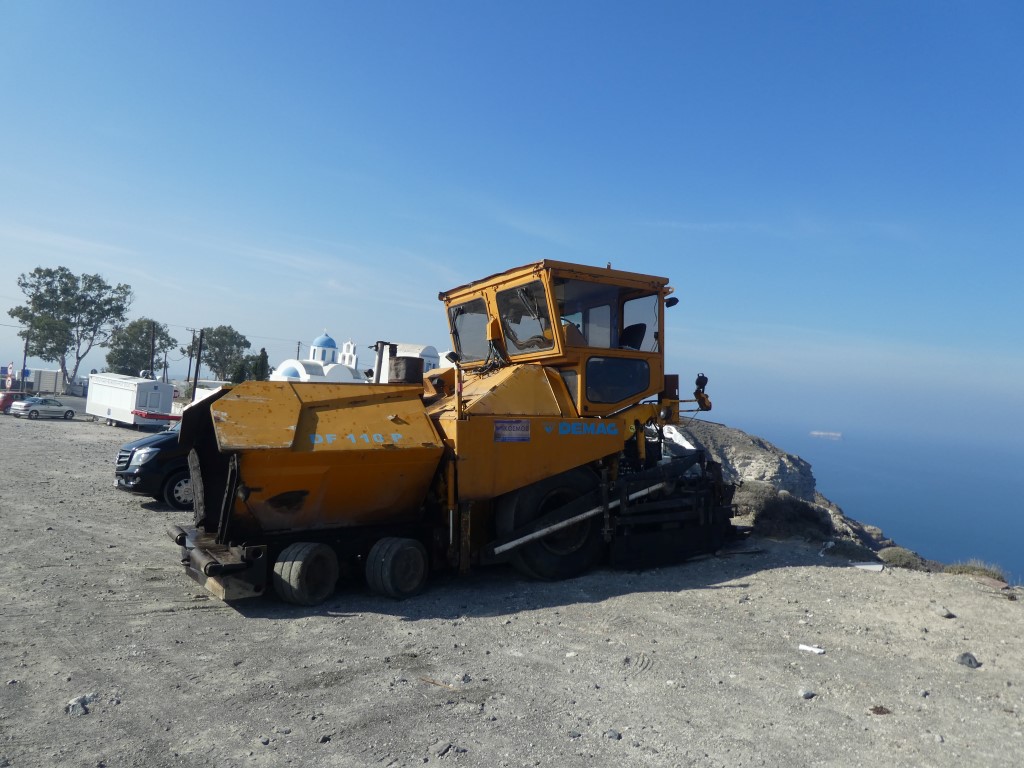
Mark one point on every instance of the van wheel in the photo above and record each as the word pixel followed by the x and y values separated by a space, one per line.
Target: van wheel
pixel 178 490
pixel 397 567
pixel 562 554
pixel 306 573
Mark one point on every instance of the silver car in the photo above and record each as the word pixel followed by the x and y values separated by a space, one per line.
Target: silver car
pixel 42 407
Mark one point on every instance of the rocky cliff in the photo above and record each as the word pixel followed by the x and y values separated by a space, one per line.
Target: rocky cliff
pixel 777 494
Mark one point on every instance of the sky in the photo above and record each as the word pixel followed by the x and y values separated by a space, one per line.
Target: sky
pixel 834 189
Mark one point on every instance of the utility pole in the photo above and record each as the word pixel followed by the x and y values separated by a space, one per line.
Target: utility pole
pixel 298 349
pixel 199 358
pixel 191 349
pixel 152 349
pixel 24 362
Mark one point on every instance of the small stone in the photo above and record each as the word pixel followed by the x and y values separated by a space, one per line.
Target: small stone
pixel 939 739
pixel 78 706
pixel 806 694
pixel 612 734
pixel 440 748
pixel 324 739
pixel 575 734
pixel 924 694
pixel 968 660
pixel 944 612
pixel 264 740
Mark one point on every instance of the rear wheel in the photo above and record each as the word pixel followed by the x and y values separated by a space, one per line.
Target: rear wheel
pixel 306 573
pixel 178 490
pixel 564 553
pixel 397 567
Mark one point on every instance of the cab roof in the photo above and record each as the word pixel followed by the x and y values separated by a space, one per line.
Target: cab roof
pixel 562 269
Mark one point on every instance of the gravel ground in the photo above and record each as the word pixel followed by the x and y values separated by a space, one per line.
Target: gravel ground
pixel 111 656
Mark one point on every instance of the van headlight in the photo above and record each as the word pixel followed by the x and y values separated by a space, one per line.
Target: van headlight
pixel 143 455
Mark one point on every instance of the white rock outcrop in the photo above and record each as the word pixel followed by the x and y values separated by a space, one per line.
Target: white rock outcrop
pixel 747 458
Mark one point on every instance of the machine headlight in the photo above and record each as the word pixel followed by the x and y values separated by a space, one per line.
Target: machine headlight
pixel 143 455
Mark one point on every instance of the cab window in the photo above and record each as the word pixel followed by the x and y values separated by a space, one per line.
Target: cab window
pixel 608 317
pixel 468 324
pixel 640 324
pixel 614 379
pixel 525 321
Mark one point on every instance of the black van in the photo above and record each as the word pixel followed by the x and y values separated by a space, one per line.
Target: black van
pixel 156 466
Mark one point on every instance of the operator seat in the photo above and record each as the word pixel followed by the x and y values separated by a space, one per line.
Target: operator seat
pixel 632 336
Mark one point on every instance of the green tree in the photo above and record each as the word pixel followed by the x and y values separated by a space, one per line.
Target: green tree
pixel 240 371
pixel 251 368
pixel 65 315
pixel 132 347
pixel 261 366
pixel 223 350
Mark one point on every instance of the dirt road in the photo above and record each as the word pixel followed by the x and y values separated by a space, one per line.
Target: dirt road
pixel 111 656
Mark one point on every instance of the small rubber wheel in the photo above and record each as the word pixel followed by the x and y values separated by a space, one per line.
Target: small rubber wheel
pixel 178 490
pixel 306 573
pixel 33 414
pixel 397 567
pixel 562 554
pixel 68 415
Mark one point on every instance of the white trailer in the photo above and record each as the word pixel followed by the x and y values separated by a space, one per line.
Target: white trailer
pixel 119 399
pixel 47 381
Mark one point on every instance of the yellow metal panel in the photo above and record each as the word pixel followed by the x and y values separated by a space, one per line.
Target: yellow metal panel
pixel 520 389
pixel 328 455
pixel 566 406
pixel 256 414
pixel 335 488
pixel 497 455
pixel 321 417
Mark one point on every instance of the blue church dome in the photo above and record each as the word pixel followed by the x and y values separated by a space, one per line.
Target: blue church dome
pixel 290 371
pixel 325 341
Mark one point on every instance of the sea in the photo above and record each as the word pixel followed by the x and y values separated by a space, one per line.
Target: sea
pixel 949 501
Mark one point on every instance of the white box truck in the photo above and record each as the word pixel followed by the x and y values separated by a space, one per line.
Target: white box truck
pixel 119 399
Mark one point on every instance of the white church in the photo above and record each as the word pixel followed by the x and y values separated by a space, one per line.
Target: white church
pixel 326 363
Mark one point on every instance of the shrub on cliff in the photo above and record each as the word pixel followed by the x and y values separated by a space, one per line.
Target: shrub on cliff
pixel 900 557
pixel 977 568
pixel 779 514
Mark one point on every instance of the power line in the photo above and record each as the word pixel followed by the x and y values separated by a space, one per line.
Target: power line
pixel 265 338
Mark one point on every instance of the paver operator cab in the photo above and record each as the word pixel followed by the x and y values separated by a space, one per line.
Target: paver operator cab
pixel 540 446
